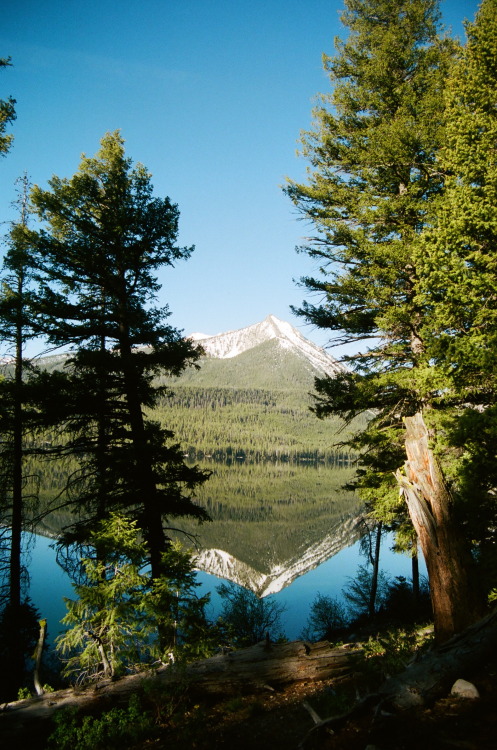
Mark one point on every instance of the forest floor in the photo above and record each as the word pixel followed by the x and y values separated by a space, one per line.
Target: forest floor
pixel 277 720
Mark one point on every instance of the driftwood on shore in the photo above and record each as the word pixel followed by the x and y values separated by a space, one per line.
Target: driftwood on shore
pixel 250 669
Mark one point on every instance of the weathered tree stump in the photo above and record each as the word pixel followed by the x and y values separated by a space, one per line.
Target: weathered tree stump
pixel 444 545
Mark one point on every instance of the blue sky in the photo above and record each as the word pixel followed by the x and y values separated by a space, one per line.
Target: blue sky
pixel 211 96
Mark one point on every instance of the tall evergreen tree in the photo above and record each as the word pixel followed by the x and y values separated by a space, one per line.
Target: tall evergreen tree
pixel 7 115
pixel 372 179
pixel 459 277
pixel 17 417
pixel 459 283
pixel 105 235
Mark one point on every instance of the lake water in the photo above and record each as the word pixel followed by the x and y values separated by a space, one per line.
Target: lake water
pixel 49 583
pixel 276 527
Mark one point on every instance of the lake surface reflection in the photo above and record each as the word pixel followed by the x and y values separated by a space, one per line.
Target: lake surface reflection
pixel 49 584
pixel 285 530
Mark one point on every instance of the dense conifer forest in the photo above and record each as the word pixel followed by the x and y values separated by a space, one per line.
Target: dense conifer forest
pixel 126 445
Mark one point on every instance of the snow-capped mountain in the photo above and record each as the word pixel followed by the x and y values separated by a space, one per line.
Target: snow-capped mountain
pixel 223 565
pixel 232 343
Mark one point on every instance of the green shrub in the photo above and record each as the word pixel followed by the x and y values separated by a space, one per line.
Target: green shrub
pixel 357 592
pixel 327 615
pixel 117 728
pixel 247 618
pixel 390 652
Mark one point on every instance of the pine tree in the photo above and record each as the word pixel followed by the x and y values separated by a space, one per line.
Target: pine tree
pixel 104 237
pixel 459 282
pixel 119 609
pixel 7 115
pixel 459 276
pixel 372 180
pixel 18 416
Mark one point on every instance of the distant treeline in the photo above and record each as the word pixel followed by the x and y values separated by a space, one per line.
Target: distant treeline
pixel 227 426
pixel 255 425
pixel 264 513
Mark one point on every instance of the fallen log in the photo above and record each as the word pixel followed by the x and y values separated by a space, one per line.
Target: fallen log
pixel 246 670
pixel 271 664
pixel 433 675
pixel 427 679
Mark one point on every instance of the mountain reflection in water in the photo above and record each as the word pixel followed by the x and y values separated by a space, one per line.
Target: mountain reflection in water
pixel 271 522
pixel 282 528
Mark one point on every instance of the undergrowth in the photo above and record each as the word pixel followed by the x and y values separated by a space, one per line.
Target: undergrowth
pixel 117 728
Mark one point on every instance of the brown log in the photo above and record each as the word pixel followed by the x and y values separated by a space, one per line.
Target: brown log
pixel 249 669
pixel 426 680
pixel 433 675
pixel 445 548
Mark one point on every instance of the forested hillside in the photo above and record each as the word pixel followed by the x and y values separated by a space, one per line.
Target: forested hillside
pixel 256 405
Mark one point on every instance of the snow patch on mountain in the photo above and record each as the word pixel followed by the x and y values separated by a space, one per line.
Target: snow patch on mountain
pixel 223 565
pixel 232 343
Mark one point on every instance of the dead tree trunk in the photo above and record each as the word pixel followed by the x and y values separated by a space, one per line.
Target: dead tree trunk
pixel 247 670
pixel 434 674
pixel 376 571
pixel 444 547
pixel 37 657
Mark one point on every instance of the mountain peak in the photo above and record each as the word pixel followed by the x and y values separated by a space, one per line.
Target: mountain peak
pixel 232 343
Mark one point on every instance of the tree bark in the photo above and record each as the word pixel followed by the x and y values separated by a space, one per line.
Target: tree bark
pixel 376 571
pixel 246 670
pixel 445 549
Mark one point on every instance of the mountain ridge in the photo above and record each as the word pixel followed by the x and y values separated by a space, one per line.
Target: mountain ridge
pixel 222 564
pixel 230 344
pixel 251 394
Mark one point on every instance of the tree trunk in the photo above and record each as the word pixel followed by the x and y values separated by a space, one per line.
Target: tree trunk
pixel 151 514
pixel 376 570
pixel 15 658
pixel 444 547
pixel 37 657
pixel 246 670
pixel 415 578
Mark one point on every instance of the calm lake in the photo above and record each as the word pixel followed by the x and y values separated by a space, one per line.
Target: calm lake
pixel 49 583
pixel 283 530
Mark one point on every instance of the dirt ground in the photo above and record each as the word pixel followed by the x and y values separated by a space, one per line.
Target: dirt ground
pixel 277 720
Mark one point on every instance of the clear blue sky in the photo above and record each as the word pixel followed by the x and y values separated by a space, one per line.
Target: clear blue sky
pixel 211 96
